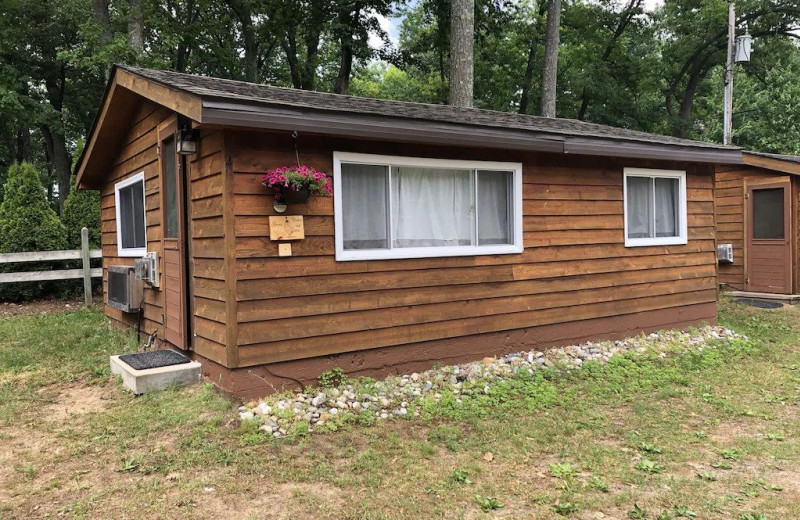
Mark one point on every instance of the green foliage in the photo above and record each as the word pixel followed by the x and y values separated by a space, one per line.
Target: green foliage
pixel 27 223
pixel 461 477
pixel 563 470
pixel 82 209
pixel 487 504
pixel 637 513
pixel 332 378
pixel 648 466
pixel 565 508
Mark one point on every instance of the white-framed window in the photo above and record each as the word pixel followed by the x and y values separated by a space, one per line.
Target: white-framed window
pixel 388 207
pixel 131 216
pixel 655 207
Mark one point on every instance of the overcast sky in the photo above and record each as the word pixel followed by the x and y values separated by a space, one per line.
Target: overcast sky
pixel 392 25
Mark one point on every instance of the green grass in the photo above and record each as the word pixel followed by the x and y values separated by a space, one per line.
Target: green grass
pixel 701 435
pixel 44 350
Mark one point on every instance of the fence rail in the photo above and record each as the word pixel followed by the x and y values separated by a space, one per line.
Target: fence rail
pixel 86 271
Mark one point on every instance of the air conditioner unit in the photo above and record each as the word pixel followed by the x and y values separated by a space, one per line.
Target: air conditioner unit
pixel 725 253
pixel 147 269
pixel 124 290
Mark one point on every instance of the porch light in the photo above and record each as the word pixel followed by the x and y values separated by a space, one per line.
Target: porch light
pixel 187 141
pixel 744 46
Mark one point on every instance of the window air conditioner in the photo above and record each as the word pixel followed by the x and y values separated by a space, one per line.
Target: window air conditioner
pixel 725 253
pixel 124 290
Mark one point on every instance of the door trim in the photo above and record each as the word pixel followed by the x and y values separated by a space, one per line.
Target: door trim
pixel 167 129
pixel 786 185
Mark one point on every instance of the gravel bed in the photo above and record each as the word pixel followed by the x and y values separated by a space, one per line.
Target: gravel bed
pixel 322 409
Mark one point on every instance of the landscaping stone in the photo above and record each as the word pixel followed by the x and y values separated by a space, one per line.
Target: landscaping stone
pixel 399 396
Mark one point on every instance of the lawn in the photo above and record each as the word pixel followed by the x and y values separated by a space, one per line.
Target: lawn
pixel 705 435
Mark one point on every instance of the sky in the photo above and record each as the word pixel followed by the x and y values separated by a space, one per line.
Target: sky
pixel 392 25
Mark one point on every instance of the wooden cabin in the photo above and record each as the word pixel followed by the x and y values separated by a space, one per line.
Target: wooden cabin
pixel 756 206
pixel 453 233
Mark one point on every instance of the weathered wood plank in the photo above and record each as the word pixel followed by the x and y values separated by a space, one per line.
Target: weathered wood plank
pixel 41 276
pixel 46 256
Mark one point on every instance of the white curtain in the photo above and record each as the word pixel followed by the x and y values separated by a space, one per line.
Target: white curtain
pixel 493 207
pixel 432 207
pixel 640 204
pixel 364 206
pixel 666 211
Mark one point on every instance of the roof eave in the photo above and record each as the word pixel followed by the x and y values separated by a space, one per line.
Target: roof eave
pixel 273 117
pixel 771 163
pixel 118 102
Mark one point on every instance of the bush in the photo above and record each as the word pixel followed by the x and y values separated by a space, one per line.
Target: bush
pixel 81 209
pixel 27 223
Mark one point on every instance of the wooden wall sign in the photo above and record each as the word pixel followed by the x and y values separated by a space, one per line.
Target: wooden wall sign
pixel 286 228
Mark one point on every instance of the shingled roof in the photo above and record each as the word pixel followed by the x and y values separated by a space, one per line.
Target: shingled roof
pixel 240 91
pixel 240 104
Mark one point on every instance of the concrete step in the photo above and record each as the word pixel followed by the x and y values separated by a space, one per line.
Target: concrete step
pixel 159 378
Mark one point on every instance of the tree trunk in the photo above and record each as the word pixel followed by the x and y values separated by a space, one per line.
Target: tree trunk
pixel 527 78
pixel 342 82
pixel 136 26
pixel 462 36
pixel 244 13
pixel 103 19
pixel 23 151
pixel 289 45
pixel 625 19
pixel 550 73
pixel 57 153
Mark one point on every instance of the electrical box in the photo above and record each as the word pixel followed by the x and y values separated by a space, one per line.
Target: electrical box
pixel 147 269
pixel 725 253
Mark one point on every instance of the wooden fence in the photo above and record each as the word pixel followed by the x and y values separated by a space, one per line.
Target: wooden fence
pixel 84 254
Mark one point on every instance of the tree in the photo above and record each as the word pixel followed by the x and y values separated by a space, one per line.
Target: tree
pixel 462 36
pixel 27 223
pixel 550 72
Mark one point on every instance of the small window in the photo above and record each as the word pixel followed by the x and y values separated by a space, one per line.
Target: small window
pixel 655 207
pixel 405 207
pixel 131 225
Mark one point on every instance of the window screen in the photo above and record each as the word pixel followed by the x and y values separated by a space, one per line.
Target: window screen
pixel 768 215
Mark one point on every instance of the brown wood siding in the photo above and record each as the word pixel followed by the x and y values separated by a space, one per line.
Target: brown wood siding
pixel 575 265
pixel 138 152
pixel 729 208
pixel 205 211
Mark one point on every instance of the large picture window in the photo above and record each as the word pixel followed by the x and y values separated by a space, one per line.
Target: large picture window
pixel 407 207
pixel 655 207
pixel 131 225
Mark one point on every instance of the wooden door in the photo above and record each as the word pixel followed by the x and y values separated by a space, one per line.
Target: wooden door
pixel 173 240
pixel 769 231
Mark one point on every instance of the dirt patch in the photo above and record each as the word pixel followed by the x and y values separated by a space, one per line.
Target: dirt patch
pixel 75 400
pixel 47 306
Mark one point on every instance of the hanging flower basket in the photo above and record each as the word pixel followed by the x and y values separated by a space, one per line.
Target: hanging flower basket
pixel 295 184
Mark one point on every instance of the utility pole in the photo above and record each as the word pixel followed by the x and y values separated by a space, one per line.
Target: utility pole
pixel 727 130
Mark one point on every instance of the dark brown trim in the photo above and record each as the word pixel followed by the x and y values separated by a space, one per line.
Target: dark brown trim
pixel 638 150
pixel 771 163
pixel 375 127
pixel 226 113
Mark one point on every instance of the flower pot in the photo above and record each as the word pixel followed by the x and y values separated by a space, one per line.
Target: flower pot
pixel 289 196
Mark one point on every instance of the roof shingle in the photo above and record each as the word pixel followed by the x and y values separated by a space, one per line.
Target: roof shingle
pixel 208 88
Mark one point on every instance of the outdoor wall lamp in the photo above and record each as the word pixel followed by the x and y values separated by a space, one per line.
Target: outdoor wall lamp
pixel 187 141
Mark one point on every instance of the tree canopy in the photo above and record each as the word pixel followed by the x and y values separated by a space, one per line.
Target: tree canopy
pixel 618 63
